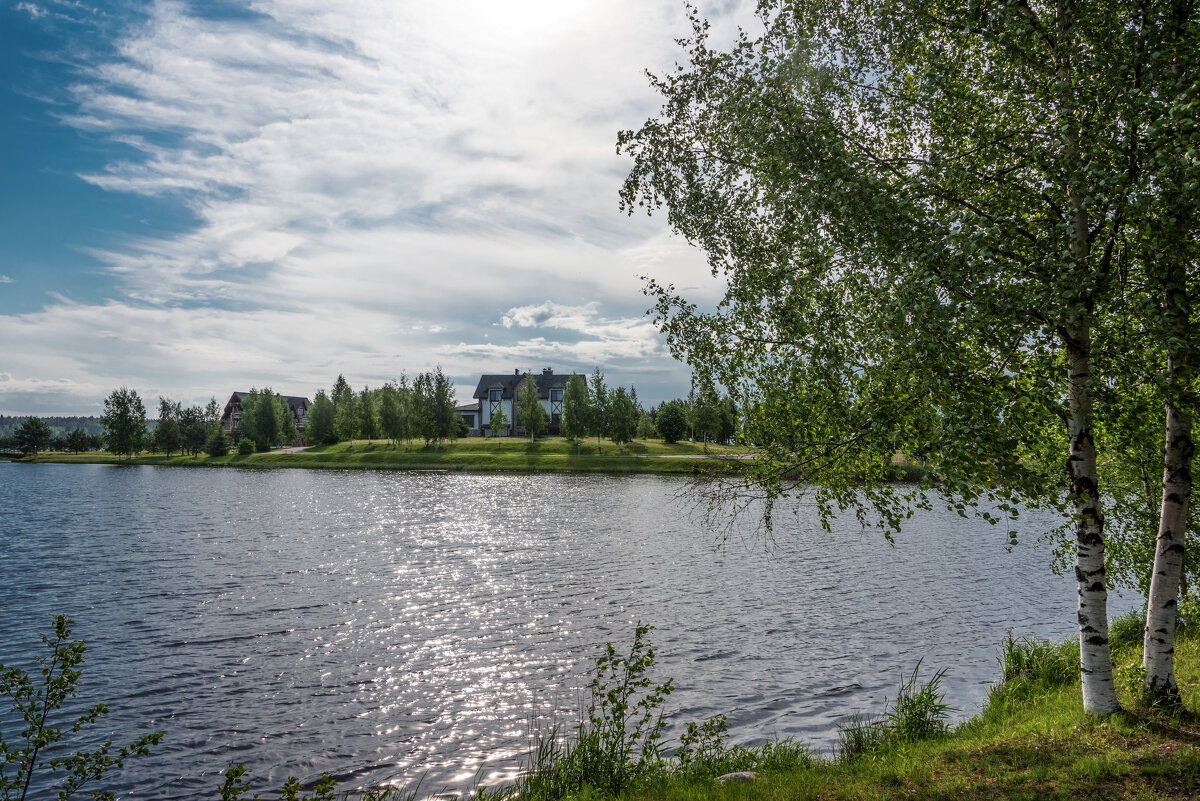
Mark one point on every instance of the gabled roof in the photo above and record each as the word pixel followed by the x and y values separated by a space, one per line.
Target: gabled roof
pixel 293 401
pixel 509 384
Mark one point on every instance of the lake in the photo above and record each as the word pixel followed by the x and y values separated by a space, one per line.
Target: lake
pixel 390 626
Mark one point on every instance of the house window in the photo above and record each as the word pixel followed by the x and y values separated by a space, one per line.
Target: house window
pixel 493 402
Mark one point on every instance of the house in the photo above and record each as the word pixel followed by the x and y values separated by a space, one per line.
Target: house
pixel 233 412
pixel 470 416
pixel 500 391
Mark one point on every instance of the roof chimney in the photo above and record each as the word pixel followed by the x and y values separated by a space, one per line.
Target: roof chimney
pixel 547 371
pixel 516 371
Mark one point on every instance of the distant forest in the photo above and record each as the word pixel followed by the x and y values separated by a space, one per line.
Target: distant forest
pixel 59 426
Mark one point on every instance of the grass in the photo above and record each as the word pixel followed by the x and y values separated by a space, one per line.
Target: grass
pixel 483 455
pixel 500 454
pixel 1033 741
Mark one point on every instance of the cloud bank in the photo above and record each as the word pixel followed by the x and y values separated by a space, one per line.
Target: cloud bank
pixel 376 187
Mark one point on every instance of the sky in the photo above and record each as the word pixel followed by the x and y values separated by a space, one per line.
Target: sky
pixel 202 197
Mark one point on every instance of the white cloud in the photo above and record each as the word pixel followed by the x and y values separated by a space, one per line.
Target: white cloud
pixel 32 9
pixel 4 279
pixel 372 182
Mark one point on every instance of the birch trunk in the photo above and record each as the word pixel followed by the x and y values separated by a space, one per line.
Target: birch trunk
pixel 1095 658
pixel 1158 652
pixel 1099 694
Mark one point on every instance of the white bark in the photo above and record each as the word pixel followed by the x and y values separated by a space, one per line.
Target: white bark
pixel 1099 693
pixel 1158 654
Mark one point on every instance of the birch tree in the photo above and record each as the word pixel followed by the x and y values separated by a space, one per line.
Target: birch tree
pixel 599 411
pixel 499 422
pixel 124 421
pixel 405 396
pixel 167 434
pixel 368 420
pixel 1167 219
pixel 529 408
pixel 390 414
pixel 320 428
pixel 622 417
pixel 920 212
pixel 576 421
pixel 444 411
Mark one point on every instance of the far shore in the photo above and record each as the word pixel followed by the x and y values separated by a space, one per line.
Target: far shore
pixel 478 455
pixel 468 455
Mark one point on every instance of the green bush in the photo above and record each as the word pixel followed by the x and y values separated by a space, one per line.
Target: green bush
pixel 703 753
pixel 619 742
pixel 672 422
pixel 217 443
pixel 246 446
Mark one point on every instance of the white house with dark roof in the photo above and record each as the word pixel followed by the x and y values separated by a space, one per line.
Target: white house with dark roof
pixel 500 391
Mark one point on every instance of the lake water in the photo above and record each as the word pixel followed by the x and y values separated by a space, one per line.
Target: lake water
pixel 396 627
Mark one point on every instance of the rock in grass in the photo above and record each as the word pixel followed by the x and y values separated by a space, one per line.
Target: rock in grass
pixel 738 776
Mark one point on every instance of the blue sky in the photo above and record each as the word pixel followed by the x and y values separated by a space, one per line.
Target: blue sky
pixel 203 197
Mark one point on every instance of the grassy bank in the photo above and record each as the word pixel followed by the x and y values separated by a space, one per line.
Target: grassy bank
pixel 494 455
pixel 477 455
pixel 1033 741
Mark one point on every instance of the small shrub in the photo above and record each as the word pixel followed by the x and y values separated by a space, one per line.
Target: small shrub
pixel 618 743
pixel 36 705
pixel 245 446
pixel 702 746
pixel 704 754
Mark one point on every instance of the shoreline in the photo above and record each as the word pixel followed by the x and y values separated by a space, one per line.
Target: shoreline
pixel 451 460
pixel 507 455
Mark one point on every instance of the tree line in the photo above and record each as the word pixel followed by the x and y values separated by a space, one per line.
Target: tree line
pixel 60 425
pixel 34 434
pixel 592 408
pixel 404 410
pixel 184 430
pixel 421 409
